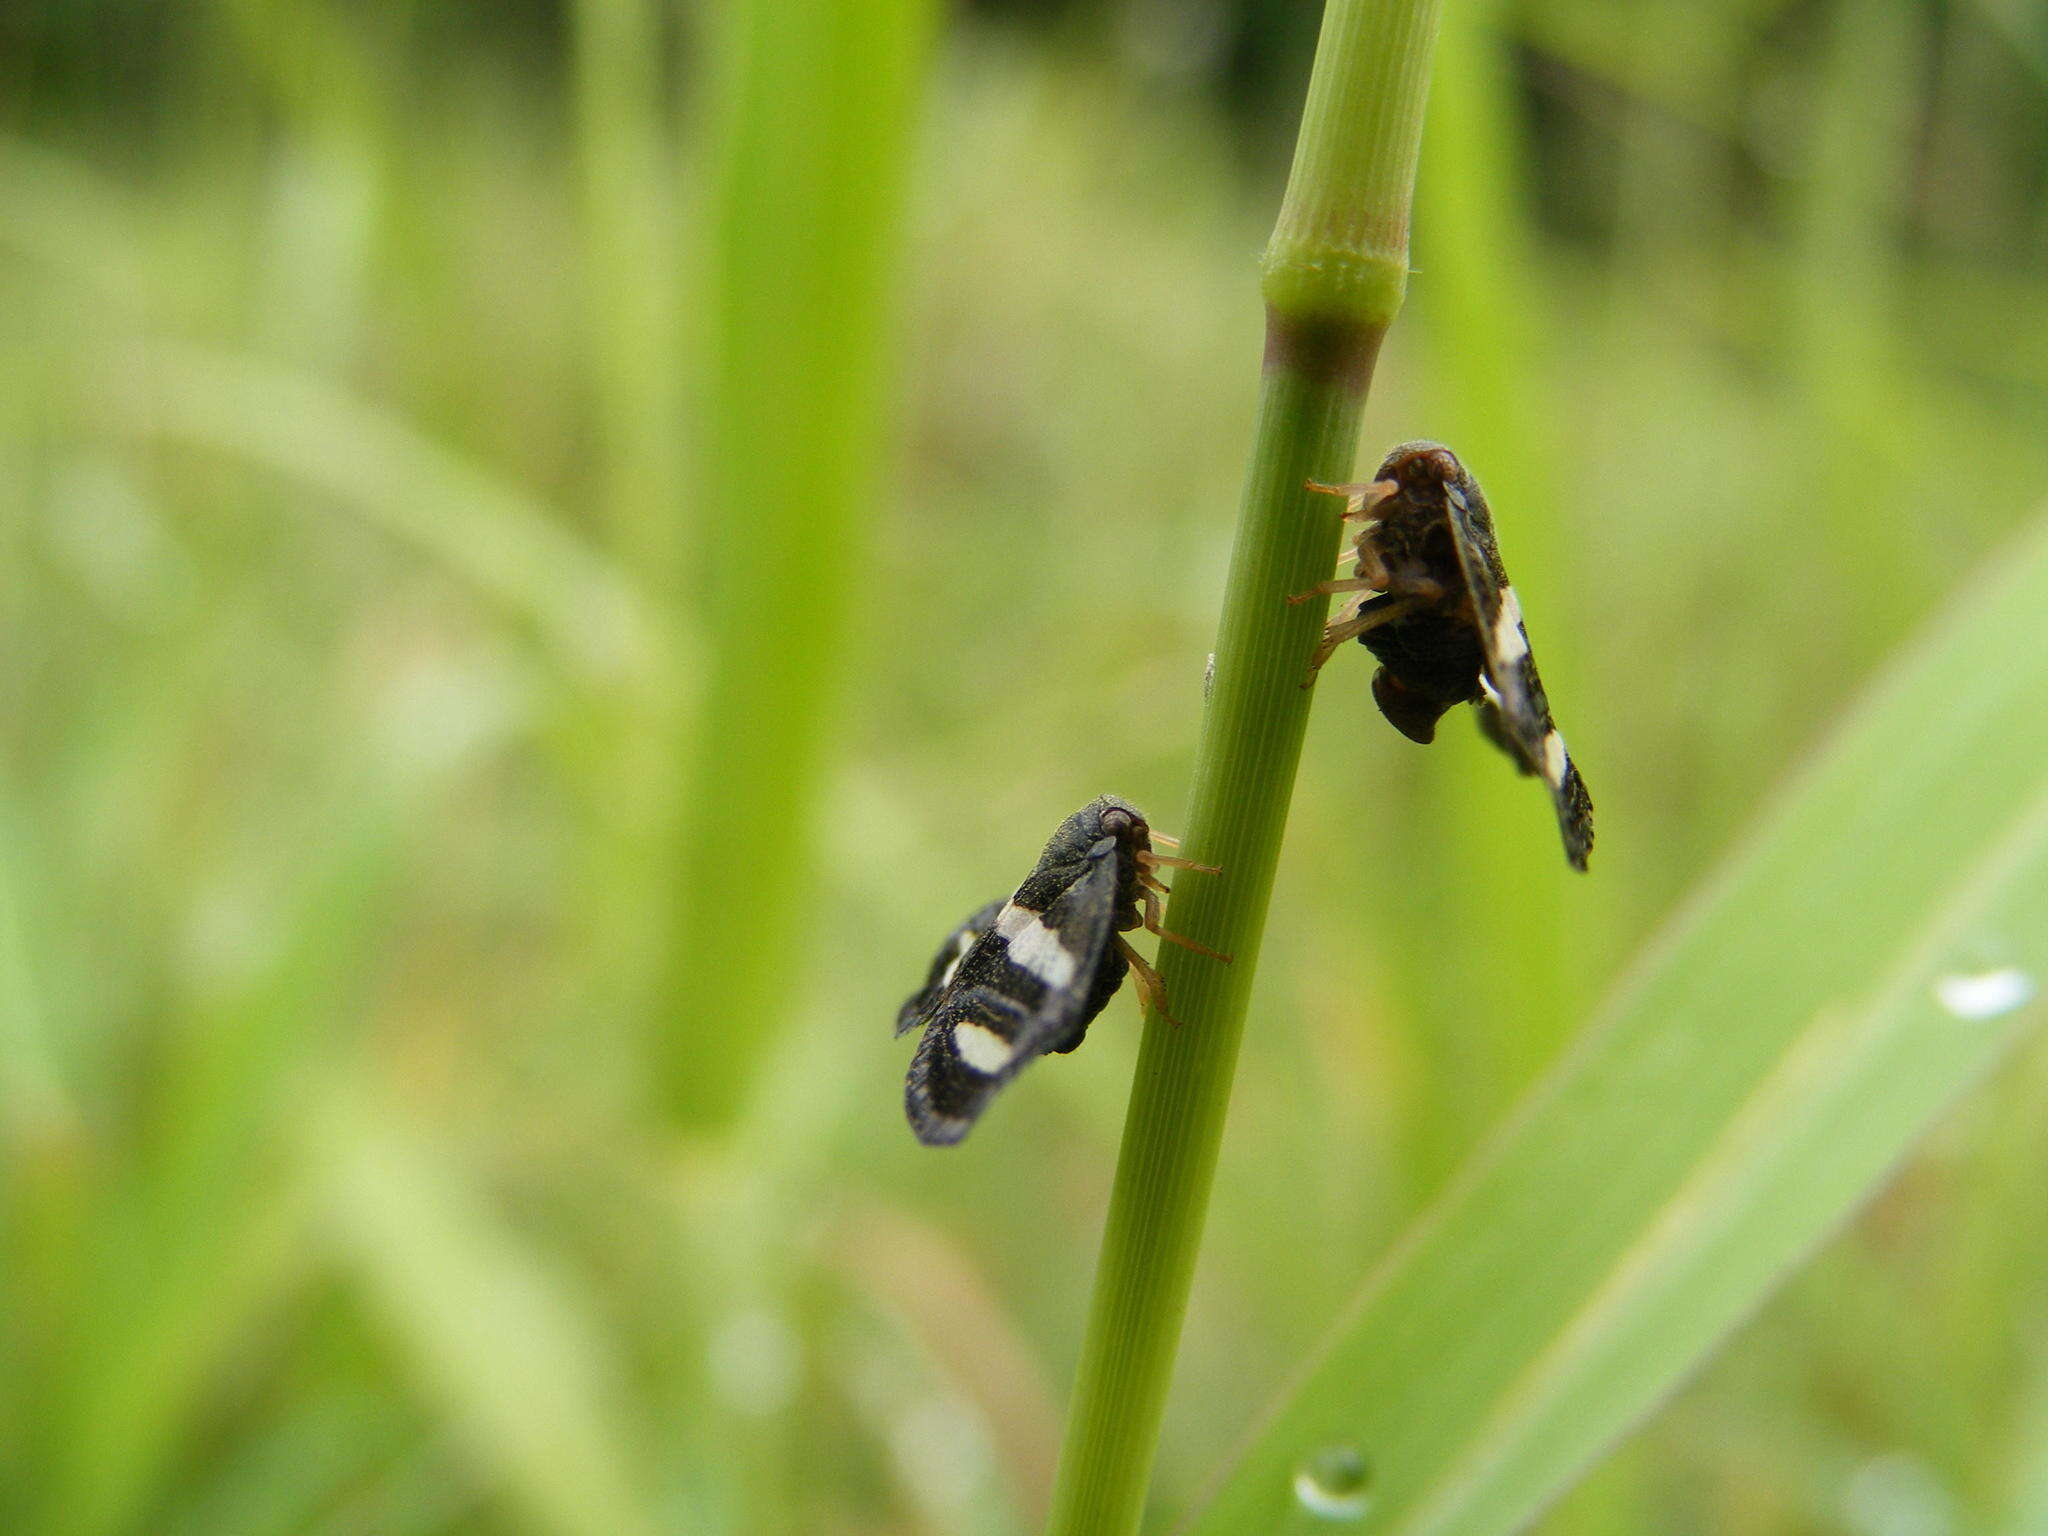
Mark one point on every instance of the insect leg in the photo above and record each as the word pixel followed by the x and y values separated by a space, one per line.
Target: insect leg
pixel 1370 567
pixel 1152 926
pixel 1151 990
pixel 1348 584
pixel 1350 629
pixel 1170 863
pixel 1368 572
pixel 1362 497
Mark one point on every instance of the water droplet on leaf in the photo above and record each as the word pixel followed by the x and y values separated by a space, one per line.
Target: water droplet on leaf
pixel 1987 994
pixel 1335 1484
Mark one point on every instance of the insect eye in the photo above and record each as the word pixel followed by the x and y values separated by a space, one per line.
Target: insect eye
pixel 1117 821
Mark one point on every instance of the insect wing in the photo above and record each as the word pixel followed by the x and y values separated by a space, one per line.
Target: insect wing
pixel 1503 642
pixel 1063 948
pixel 1021 990
pixel 1514 710
pixel 944 964
pixel 1493 726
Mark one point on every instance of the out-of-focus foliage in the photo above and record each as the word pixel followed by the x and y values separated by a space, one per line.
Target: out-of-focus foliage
pixel 1763 1068
pixel 335 760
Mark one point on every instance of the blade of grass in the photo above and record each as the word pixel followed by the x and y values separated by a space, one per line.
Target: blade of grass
pixel 501 1340
pixel 1335 273
pixel 195 1228
pixel 814 126
pixel 201 1232
pixel 36 1098
pixel 2022 27
pixel 2025 1501
pixel 1485 1030
pixel 627 282
pixel 1766 1067
pixel 511 549
pixel 294 1466
pixel 1868 412
pixel 430 1491
pixel 74 225
pixel 623 748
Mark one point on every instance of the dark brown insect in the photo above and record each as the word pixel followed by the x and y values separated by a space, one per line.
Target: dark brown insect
pixel 1024 978
pixel 1437 611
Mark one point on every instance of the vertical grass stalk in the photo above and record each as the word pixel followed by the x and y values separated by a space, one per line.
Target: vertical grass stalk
pixel 811 138
pixel 627 278
pixel 1335 273
pixel 1488 344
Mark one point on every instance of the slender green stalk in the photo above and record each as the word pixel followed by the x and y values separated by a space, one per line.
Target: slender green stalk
pixel 623 739
pixel 1475 241
pixel 1335 273
pixel 816 106
pixel 627 278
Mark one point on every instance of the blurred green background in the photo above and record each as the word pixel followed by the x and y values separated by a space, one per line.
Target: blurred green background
pixel 371 1161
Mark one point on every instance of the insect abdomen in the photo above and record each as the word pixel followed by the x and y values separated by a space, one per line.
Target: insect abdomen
pixel 1428 663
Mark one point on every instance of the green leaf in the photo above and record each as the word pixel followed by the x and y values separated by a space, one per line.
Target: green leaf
pixel 509 548
pixel 811 122
pixel 1866 957
pixel 199 1234
pixel 35 1098
pixel 501 1340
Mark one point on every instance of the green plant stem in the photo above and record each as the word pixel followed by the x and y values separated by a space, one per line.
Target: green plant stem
pixel 628 278
pixel 812 132
pixel 1334 277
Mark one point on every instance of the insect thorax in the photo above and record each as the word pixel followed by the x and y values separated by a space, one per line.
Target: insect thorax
pixel 1414 542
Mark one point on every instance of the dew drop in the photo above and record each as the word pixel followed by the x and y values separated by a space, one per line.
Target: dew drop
pixel 1334 1484
pixel 1988 994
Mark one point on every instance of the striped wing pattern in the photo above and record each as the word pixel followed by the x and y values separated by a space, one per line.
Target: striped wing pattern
pixel 1025 984
pixel 1514 710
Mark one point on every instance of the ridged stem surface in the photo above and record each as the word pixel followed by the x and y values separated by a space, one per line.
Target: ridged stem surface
pixel 1334 275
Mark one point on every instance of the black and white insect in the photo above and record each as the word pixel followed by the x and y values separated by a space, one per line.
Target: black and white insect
pixel 1025 977
pixel 1444 623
